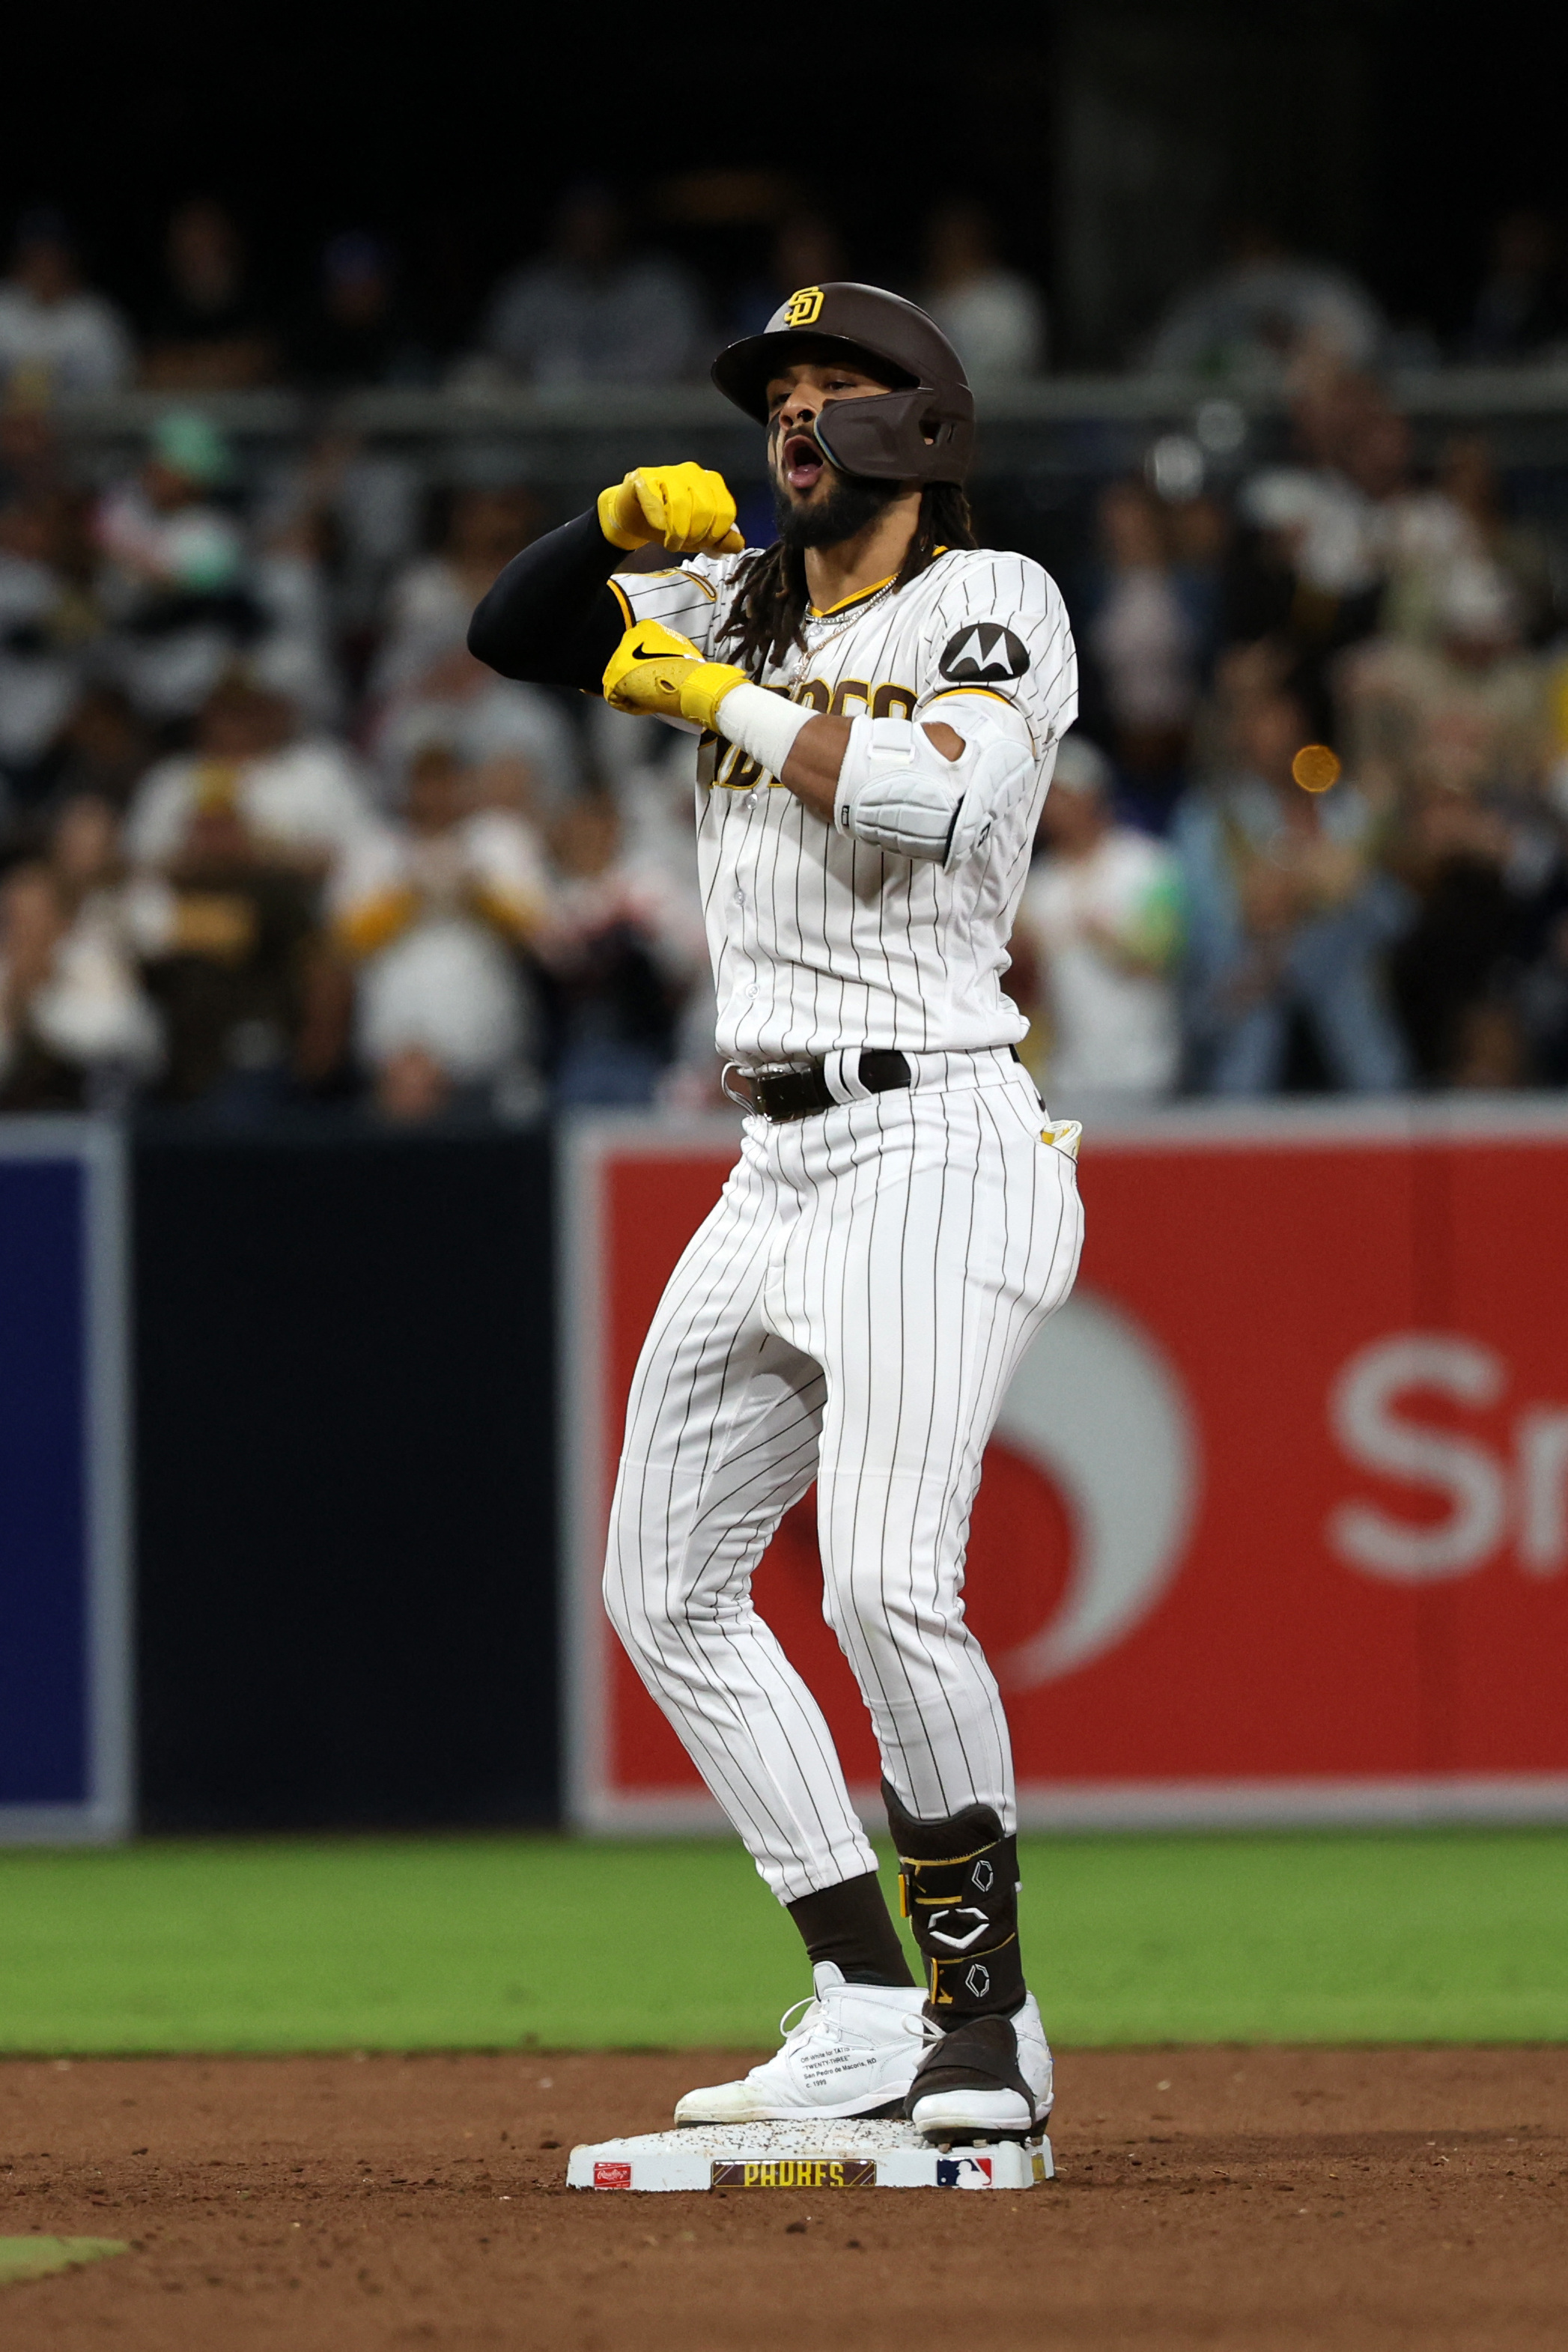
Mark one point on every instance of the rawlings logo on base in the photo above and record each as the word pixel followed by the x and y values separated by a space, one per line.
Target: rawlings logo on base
pixel 612 2176
pixel 799 2172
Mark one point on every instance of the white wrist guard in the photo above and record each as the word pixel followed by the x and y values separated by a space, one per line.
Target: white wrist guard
pixel 762 723
pixel 897 792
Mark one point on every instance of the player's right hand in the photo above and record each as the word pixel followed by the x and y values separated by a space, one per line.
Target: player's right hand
pixel 686 509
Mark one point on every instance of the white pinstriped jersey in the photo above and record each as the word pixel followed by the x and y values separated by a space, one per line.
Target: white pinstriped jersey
pixel 818 941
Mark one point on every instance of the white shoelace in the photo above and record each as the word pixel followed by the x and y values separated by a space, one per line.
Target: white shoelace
pixel 817 2019
pixel 803 2024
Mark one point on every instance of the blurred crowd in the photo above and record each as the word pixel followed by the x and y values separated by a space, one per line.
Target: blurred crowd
pixel 1312 831
pixel 270 836
pixel 601 303
pixel 271 839
pixel 595 306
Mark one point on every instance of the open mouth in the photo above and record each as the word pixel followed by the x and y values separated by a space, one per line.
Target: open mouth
pixel 802 462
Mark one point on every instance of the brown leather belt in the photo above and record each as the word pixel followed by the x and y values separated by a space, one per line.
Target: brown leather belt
pixel 783 1095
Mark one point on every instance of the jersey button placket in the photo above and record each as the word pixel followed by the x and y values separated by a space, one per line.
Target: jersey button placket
pixel 749 991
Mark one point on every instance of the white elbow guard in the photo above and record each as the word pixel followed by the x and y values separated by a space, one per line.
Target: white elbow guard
pixel 897 792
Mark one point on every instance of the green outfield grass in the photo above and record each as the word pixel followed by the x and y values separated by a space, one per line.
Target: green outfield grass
pixel 476 1942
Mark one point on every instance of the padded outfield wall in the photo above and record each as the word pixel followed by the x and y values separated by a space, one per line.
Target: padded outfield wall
pixel 1274 1527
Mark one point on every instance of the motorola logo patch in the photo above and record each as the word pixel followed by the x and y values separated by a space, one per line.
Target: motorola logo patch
pixel 982 652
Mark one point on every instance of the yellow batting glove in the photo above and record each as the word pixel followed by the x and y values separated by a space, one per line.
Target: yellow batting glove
pixel 645 672
pixel 704 688
pixel 686 509
pixel 660 674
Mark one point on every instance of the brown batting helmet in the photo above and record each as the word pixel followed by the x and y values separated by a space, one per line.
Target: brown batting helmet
pixel 922 429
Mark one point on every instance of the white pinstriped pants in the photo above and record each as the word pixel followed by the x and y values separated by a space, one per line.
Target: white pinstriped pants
pixel 852 1311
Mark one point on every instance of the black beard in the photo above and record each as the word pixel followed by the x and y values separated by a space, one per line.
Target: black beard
pixel 851 502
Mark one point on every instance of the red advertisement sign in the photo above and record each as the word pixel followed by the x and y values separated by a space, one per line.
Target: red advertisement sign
pixel 1274 1525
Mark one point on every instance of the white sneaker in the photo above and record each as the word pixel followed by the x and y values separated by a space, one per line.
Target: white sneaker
pixel 853 2051
pixel 1005 2091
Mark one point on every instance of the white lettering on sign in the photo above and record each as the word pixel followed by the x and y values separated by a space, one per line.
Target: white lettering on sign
pixel 1374 1414
pixel 1544 1489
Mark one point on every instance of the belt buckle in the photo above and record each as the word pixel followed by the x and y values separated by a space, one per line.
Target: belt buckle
pixel 757 1079
pixel 742 1102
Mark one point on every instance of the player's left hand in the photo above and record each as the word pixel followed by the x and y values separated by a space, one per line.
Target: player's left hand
pixel 657 673
pixel 687 509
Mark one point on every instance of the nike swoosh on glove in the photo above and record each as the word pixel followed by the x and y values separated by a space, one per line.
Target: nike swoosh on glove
pixel 657 673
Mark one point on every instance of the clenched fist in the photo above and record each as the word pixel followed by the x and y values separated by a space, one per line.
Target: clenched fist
pixel 685 508
pixel 660 674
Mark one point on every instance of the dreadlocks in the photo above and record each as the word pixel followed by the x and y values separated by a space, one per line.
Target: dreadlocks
pixel 770 608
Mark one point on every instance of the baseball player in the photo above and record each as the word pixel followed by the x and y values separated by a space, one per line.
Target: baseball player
pixel 880 703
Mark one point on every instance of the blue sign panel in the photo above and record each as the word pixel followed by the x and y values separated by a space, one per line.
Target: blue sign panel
pixel 63 1665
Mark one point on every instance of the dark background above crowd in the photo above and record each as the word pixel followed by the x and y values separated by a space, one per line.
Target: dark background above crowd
pixel 1111 140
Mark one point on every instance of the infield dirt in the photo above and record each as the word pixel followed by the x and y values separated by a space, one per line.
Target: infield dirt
pixel 1221 2198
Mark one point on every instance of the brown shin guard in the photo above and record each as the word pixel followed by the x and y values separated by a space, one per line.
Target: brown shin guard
pixel 959 1883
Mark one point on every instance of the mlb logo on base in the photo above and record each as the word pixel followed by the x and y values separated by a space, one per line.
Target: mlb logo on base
pixel 964 2172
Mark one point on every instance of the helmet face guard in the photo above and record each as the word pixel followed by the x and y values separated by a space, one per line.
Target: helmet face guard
pixel 897 436
pixel 922 429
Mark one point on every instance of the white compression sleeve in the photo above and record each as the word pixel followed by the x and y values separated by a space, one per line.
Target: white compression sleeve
pixel 762 723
